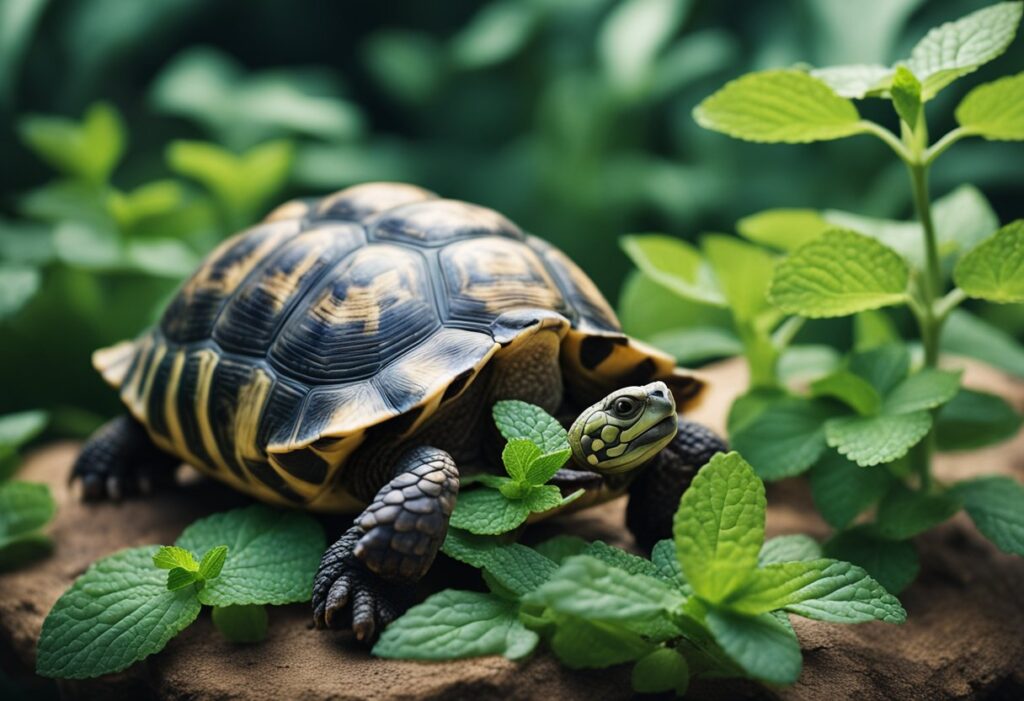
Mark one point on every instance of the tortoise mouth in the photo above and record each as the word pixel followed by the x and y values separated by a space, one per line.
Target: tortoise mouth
pixel 663 429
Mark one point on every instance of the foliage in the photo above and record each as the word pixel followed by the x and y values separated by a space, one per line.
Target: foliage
pixel 25 507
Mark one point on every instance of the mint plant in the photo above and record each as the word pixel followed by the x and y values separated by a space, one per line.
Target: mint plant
pixel 712 601
pixel 128 605
pixel 25 507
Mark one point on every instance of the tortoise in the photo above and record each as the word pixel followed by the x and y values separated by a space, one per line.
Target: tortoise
pixel 341 356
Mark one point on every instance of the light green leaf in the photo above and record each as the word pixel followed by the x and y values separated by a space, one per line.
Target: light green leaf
pixel 213 562
pixel 274 555
pixel 497 32
pixel 967 334
pixel 925 389
pixel 517 456
pixel 674 264
pixel 115 614
pixel 543 467
pixel 179 578
pixel 787 548
pixel 892 563
pixel 18 285
pixel 884 366
pixel 762 646
pixel 633 34
pixel 647 308
pixel 584 644
pixel 995 110
pixel 697 344
pixel 21 427
pixel 855 81
pixel 516 419
pixel 560 547
pixel 785 439
pixel 904 513
pixel 779 106
pixel 800 364
pixel 24 507
pixel 996 505
pixel 88 150
pixel 488 512
pixel 457 624
pixel 169 258
pixel 170 556
pixel 241 624
pixel 785 229
pixel 841 273
pixel 842 489
pixel 906 96
pixel 961 47
pixel 617 557
pixel 543 498
pixel 873 328
pixel 516 567
pixel 975 419
pixel 719 527
pixel 851 389
pixel 994 269
pixel 872 440
pixel 744 273
pixel 660 671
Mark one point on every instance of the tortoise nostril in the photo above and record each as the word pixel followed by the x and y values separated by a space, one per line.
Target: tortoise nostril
pixel 658 393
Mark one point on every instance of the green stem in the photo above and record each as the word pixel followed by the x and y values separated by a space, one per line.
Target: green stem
pixel 940 146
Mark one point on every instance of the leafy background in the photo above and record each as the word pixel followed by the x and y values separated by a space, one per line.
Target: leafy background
pixel 571 116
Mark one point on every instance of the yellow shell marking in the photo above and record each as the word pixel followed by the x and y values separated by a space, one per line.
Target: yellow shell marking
pixel 214 278
pixel 251 399
pixel 280 286
pixel 363 303
pixel 207 364
pixel 177 436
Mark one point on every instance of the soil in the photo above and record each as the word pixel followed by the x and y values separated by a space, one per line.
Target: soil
pixel 963 638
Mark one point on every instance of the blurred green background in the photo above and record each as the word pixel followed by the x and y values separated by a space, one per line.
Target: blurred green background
pixel 191 118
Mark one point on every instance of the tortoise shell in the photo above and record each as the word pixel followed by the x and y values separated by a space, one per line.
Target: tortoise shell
pixel 379 303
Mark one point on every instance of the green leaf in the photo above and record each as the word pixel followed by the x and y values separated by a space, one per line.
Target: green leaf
pixel 823 589
pixel 804 363
pixel 496 33
pixel 662 670
pixel 975 419
pixel 787 548
pixel 241 624
pixel 762 646
pixel 617 557
pixel 851 389
pixel 961 47
pixel 561 547
pixel 995 110
pixel 18 285
pixel 884 366
pixel 743 271
pixel 842 489
pixel 169 556
pixel 967 334
pixel 179 578
pixel 674 264
pixel 89 150
pixel 663 557
pixel 544 467
pixel 785 229
pixel 779 106
pixel 994 269
pixel 996 505
pixel 719 527
pixel 544 498
pixel 488 512
pixel 873 328
pixel 697 344
pixel 632 35
pixel 584 644
pixel 24 507
pixel 457 624
pixel 18 429
pixel 903 513
pixel 855 81
pixel 515 567
pixel 925 389
pixel 841 273
pixel 516 419
pixel 785 439
pixel 906 96
pixel 892 563
pixel 115 614
pixel 517 456
pixel 213 562
pixel 23 549
pixel 274 555
pixel 872 440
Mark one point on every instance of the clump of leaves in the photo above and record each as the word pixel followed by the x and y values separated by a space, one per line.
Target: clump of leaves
pixel 712 601
pixel 128 605
pixel 25 507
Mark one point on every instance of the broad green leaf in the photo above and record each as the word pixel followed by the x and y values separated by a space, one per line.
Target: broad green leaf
pixel 18 285
pixel 995 110
pixel 762 646
pixel 967 334
pixel 18 429
pixel 892 563
pixel 543 498
pixel 517 456
pixel 698 344
pixel 823 589
pixel 787 548
pixel 851 389
pixel 719 527
pixel 785 229
pixel 274 555
pixel 631 37
pixel 841 273
pixel 660 671
pixel 170 556
pixel 213 562
pixel 543 467
pixel 457 624
pixel 561 547
pixel 996 505
pixel 872 440
pixel 994 269
pixel 750 405
pixel 663 557
pixel 855 81
pixel 161 257
pixel 617 557
pixel 925 389
pixel 241 624
pixel 884 366
pixel 516 567
pixel 873 328
pixel 779 106
pixel 495 33
pixel 580 643
pixel 674 264
pixel 516 419
pixel 24 507
pixel 488 512
pixel 801 364
pixel 785 439
pixel 647 308
pixel 903 513
pixel 906 96
pixel 88 150
pixel 842 489
pixel 744 273
pixel 975 419
pixel 115 614
pixel 179 578
pixel 957 48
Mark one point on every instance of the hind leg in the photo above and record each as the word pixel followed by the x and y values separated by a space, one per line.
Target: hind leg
pixel 120 460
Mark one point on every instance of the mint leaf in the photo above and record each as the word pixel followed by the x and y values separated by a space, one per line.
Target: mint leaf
pixel 839 274
pixel 617 557
pixel 544 467
pixel 856 81
pixel 675 265
pixel 274 555
pixel 24 507
pixel 787 548
pixel 18 285
pixel 995 110
pixel 906 96
pixel 631 37
pixel 884 367
pixel 961 47
pixel 241 624
pixel 892 563
pixel 967 334
pixel 663 557
pixel 764 647
pixel 996 505
pixel 872 440
pixel 851 389
pixel 719 527
pixel 904 513
pixel 925 389
pixel 584 644
pixel 179 578
pixel 457 624
pixel 516 567
pixel 89 149
pixel 994 269
pixel 170 556
pixel 18 429
pixel 23 549
pixel 561 547
pixel 785 229
pixel 115 614
pixel 744 273
pixel 516 419
pixel 975 419
pixel 842 489
pixel 662 670
pixel 213 562
pixel 517 456
pixel 543 498
pixel 779 106
pixel 488 512
pixel 784 439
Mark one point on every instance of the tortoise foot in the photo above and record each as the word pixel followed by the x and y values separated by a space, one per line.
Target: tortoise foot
pixel 120 461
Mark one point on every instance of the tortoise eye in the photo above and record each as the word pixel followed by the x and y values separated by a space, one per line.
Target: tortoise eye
pixel 624 406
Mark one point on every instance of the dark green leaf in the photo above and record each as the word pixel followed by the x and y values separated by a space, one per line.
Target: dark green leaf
pixel 996 505
pixel 842 489
pixel 662 670
pixel 786 438
pixel 903 513
pixel 975 419
pixel 241 624
pixel 762 646
pixel 892 563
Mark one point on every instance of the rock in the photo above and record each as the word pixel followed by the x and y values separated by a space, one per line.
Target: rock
pixel 962 639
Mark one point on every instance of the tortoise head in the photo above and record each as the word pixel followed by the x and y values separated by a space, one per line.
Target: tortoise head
pixel 625 429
